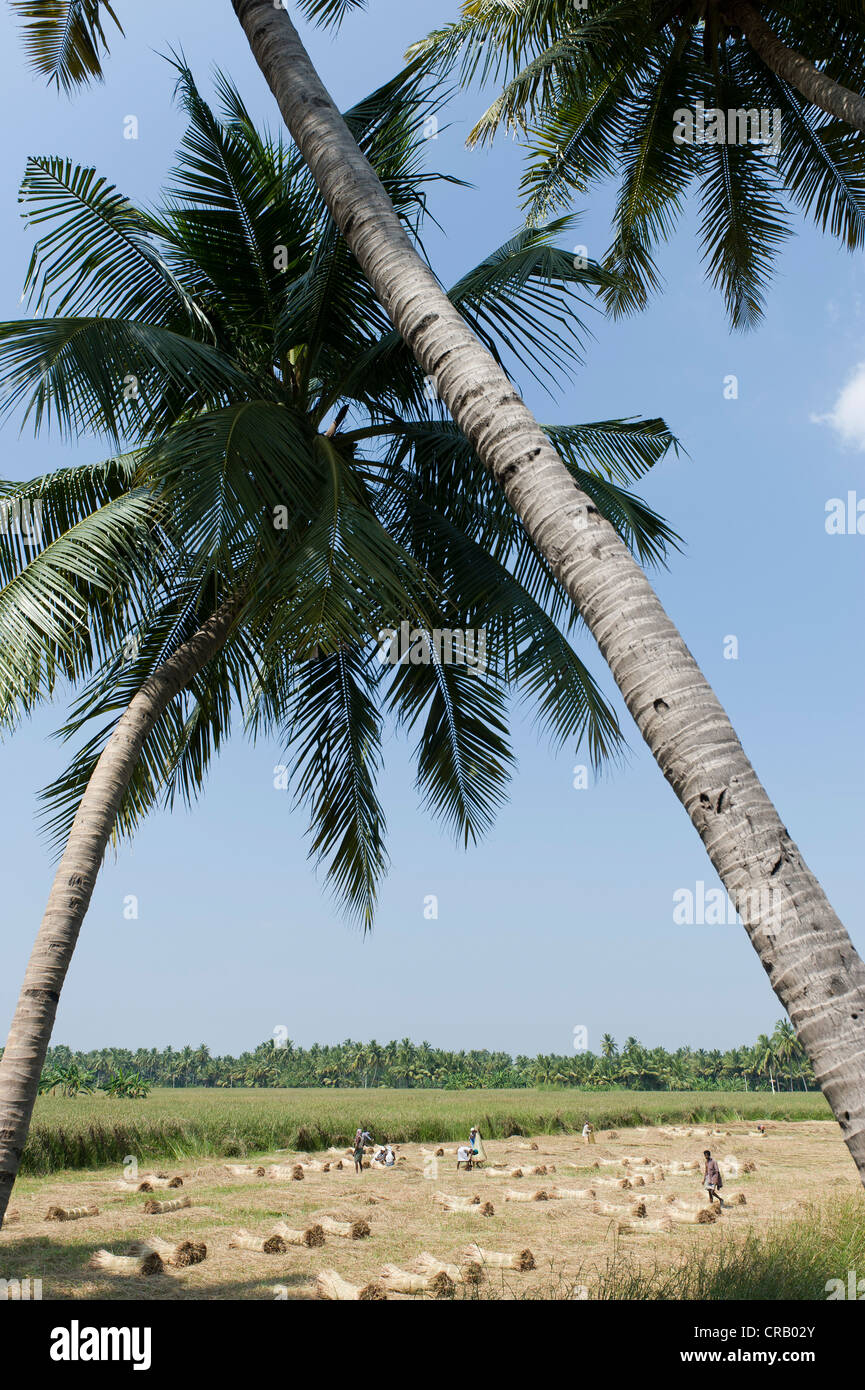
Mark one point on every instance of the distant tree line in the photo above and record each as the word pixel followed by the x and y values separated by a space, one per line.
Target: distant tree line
pixel 774 1062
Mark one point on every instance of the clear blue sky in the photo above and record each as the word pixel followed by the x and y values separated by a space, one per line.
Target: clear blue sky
pixel 564 916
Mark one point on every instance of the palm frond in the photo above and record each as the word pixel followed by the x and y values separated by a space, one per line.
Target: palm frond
pixel 118 377
pixel 330 12
pixel 99 256
pixel 334 746
pixel 65 39
pixel 64 608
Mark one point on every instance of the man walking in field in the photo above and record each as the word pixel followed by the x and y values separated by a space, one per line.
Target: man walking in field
pixel 712 1180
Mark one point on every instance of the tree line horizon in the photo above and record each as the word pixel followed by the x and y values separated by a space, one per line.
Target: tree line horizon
pixel 774 1062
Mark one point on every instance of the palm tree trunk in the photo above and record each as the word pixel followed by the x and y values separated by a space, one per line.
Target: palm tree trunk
pixel 803 946
pixel 798 71
pixel 30 1034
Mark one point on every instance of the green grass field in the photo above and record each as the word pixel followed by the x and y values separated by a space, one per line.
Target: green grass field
pixel 89 1131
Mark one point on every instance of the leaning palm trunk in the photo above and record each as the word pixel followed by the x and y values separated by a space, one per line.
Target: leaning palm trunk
pixel 30 1034
pixel 799 71
pixel 805 949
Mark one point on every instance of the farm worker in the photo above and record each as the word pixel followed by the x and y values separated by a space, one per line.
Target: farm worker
pixel 477 1144
pixel 589 1132
pixel 358 1157
pixel 389 1158
pixel 713 1182
pixel 464 1155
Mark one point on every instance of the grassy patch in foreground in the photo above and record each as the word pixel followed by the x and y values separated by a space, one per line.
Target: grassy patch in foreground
pixel 92 1131
pixel 791 1261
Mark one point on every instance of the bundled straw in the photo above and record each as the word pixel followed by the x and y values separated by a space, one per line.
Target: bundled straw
pixel 468 1204
pixel 473 1254
pixel 311 1237
pixel 154 1208
pixel 438 1285
pixel 129 1266
pixel 151 1182
pixel 70 1213
pixel 349 1230
pixel 179 1255
pixel 331 1285
pixel 262 1245
pixel 693 1216
pixel 661 1223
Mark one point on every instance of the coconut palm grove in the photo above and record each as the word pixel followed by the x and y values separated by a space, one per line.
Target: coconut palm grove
pixel 430 531
pixel 774 1062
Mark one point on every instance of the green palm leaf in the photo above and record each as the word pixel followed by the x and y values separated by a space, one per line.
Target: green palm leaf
pixel 65 39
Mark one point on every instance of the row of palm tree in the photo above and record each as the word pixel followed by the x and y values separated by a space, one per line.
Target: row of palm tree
pixel 775 1062
pixel 209 595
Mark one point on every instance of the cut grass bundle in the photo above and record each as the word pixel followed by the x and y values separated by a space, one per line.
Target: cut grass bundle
pixel 313 1235
pixel 261 1245
pixel 473 1254
pixel 349 1230
pixel 178 1254
pixel 688 1216
pixel 606 1209
pixel 471 1206
pixel 152 1182
pixel 332 1286
pixel 438 1285
pixel 516 1194
pixel 154 1208
pixel 70 1213
pixel 431 1267
pixel 572 1194
pixel 127 1266
pixel 644 1227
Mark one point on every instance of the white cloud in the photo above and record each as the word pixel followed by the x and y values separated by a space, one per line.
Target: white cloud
pixel 847 418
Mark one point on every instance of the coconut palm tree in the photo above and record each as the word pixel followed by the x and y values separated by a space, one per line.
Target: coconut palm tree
pixel 786 1046
pixel 802 944
pixel 607 90
pixel 242 551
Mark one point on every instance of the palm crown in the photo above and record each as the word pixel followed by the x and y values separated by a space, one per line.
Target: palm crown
pixel 595 91
pixel 211 341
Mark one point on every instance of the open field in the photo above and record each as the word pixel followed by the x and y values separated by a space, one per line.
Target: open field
pixel 89 1131
pixel 777 1243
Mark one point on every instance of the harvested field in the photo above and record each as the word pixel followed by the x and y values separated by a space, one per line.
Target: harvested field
pixel 571 1239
